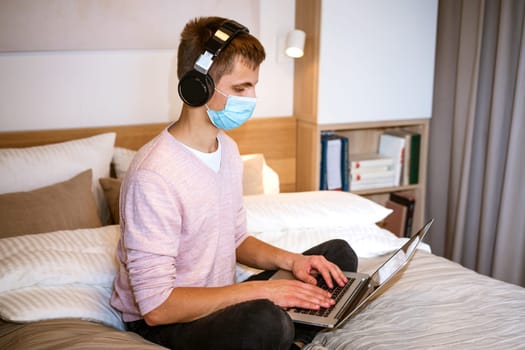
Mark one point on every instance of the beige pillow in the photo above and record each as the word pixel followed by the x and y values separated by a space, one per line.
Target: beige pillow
pixel 63 206
pixel 258 177
pixel 111 187
pixel 252 178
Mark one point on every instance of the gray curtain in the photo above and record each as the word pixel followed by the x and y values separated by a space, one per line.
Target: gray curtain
pixel 476 182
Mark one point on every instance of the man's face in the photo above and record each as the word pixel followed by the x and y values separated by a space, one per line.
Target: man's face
pixel 240 82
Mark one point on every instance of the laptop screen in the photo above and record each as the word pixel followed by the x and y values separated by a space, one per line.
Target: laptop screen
pixel 399 258
pixel 392 265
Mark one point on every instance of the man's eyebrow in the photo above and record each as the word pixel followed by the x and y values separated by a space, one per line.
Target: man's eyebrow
pixel 244 84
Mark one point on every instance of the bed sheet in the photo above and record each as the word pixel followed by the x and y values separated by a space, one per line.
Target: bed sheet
pixel 432 303
pixel 435 303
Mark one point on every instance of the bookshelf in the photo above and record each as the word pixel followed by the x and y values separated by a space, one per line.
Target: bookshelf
pixel 351 83
pixel 363 137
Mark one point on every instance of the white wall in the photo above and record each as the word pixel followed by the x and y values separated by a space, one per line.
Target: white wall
pixel 76 88
pixel 376 60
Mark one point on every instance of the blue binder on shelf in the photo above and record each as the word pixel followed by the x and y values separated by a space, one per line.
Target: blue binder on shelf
pixel 334 162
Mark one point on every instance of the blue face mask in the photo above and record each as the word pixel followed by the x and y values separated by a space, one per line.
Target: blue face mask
pixel 237 111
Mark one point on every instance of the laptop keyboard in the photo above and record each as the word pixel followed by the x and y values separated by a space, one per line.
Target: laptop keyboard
pixel 337 293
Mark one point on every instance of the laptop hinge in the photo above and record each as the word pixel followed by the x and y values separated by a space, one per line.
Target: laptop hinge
pixel 358 295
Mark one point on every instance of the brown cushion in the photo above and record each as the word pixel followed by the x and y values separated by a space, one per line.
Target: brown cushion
pixel 66 205
pixel 111 187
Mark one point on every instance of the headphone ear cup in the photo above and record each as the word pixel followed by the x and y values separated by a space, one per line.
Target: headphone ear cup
pixel 195 88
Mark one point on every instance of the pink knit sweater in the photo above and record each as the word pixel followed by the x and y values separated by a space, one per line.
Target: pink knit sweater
pixel 180 224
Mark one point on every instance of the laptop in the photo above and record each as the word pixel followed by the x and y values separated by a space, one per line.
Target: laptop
pixel 359 288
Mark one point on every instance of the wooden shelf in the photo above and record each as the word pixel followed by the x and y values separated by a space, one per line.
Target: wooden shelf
pixel 363 137
pixel 386 190
pixel 364 134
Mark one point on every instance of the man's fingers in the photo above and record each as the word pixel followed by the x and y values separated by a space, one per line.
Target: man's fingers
pixel 331 272
pixel 310 297
pixel 306 277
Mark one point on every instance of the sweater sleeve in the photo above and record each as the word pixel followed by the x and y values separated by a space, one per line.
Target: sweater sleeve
pixel 151 237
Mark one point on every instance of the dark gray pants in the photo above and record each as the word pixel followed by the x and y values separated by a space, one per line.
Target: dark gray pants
pixel 252 325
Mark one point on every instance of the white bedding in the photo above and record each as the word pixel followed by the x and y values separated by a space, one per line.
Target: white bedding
pixel 435 304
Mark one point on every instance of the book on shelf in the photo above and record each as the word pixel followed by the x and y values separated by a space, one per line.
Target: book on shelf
pixel 369 185
pixel 395 222
pixel 370 162
pixel 409 173
pixel 370 170
pixel 415 149
pixel 364 180
pixel 334 162
pixel 408 200
pixel 393 146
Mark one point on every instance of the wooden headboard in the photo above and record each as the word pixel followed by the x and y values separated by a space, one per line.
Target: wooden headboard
pixel 273 137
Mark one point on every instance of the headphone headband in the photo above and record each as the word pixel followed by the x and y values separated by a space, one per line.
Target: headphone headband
pixel 218 41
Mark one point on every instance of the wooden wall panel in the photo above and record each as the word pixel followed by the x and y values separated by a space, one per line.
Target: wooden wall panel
pixel 274 137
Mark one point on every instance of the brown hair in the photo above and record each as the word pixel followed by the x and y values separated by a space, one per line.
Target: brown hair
pixel 195 35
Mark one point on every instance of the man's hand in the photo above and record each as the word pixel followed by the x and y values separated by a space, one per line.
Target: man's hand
pixel 302 293
pixel 306 267
pixel 292 293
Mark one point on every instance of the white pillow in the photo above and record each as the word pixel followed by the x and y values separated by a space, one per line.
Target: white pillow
pixel 25 169
pixel 122 158
pixel 310 209
pixel 62 274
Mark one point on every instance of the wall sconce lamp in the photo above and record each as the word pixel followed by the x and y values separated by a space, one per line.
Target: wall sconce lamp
pixel 295 43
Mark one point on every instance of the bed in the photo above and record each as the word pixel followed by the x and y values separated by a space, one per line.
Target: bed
pixel 57 267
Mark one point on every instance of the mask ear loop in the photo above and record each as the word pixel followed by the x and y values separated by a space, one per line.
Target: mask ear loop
pixel 223 94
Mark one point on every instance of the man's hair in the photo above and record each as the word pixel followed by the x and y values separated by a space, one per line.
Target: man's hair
pixel 195 35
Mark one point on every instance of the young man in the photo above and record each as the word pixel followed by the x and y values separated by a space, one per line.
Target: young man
pixel 183 226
